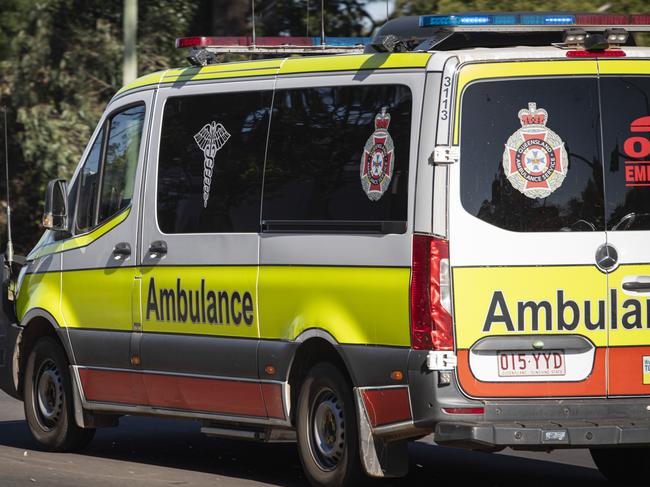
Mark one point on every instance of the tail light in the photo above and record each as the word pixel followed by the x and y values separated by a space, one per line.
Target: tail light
pixel 431 322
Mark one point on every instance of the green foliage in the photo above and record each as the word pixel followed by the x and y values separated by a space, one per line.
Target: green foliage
pixel 63 65
pixel 415 7
pixel 630 6
pixel 418 7
pixel 292 17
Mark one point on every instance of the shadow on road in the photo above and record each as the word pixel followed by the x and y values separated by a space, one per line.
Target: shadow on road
pixel 179 445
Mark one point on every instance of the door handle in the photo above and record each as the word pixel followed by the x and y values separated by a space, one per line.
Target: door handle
pixel 157 249
pixel 122 250
pixel 641 286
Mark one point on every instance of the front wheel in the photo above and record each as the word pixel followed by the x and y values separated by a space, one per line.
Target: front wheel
pixel 624 465
pixel 49 408
pixel 326 423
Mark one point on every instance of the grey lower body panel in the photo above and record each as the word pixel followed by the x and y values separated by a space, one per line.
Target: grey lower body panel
pixel 371 365
pixel 167 352
pixel 101 348
pixel 224 356
pixel 200 354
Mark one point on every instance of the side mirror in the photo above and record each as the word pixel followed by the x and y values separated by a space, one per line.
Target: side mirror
pixel 56 206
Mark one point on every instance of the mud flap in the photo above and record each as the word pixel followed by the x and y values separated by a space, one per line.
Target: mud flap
pixel 379 458
pixel 84 418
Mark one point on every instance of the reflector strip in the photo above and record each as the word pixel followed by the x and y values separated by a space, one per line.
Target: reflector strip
pixel 477 410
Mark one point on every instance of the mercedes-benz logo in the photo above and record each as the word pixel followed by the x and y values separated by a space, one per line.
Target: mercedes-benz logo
pixel 606 258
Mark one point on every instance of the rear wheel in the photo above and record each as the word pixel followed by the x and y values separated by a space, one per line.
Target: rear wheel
pixel 625 465
pixel 326 422
pixel 49 408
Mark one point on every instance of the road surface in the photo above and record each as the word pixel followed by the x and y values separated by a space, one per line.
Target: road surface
pixel 159 452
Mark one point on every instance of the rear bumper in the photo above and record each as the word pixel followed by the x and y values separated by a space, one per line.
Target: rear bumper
pixel 552 424
pixel 422 405
pixel 543 435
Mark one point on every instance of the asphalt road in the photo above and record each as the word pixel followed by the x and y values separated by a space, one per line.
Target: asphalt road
pixel 157 452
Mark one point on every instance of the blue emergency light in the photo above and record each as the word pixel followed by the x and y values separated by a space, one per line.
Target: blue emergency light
pixel 496 19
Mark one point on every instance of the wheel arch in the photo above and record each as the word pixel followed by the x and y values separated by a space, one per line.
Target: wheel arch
pixel 36 324
pixel 314 345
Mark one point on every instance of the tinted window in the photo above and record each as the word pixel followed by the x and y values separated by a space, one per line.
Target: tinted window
pixel 327 163
pixel 121 161
pixel 210 164
pixel 626 140
pixel 88 183
pixel 515 176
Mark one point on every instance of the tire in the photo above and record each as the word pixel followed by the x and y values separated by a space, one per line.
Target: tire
pixel 623 465
pixel 49 407
pixel 326 424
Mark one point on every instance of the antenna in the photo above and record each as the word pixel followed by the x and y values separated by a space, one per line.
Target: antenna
pixel 322 22
pixel 253 9
pixel 10 245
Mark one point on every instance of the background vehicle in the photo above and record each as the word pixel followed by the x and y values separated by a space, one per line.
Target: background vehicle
pixel 353 251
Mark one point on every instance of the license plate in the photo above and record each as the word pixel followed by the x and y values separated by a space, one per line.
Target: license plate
pixel 531 364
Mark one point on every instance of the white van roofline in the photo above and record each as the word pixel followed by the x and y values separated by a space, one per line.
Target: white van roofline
pixel 523 53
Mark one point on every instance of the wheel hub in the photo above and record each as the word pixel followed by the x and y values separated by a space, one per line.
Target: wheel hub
pixel 328 430
pixel 49 394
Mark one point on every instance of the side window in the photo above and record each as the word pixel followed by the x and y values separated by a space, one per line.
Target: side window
pixel 121 161
pixel 111 162
pixel 87 186
pixel 211 161
pixel 626 134
pixel 338 158
pixel 530 154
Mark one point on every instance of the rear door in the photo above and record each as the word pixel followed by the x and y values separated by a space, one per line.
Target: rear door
pixel 526 220
pixel 625 102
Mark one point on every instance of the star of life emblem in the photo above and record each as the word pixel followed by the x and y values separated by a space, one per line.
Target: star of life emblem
pixel 378 158
pixel 535 159
pixel 210 139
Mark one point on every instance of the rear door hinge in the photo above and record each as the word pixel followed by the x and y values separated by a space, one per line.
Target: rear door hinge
pixel 444 155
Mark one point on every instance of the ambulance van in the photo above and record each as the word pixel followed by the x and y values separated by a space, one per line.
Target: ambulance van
pixel 448 234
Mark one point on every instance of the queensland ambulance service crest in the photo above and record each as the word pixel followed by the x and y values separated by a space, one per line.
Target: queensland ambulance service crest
pixel 378 158
pixel 535 160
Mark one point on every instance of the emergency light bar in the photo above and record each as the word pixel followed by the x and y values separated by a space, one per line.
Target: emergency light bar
pixel 275 45
pixel 536 21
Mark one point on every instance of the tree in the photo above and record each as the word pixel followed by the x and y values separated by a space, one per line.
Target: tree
pixel 419 7
pixel 282 17
pixel 64 64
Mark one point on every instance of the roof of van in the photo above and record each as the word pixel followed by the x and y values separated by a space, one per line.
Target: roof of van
pixel 430 61
pixel 284 66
